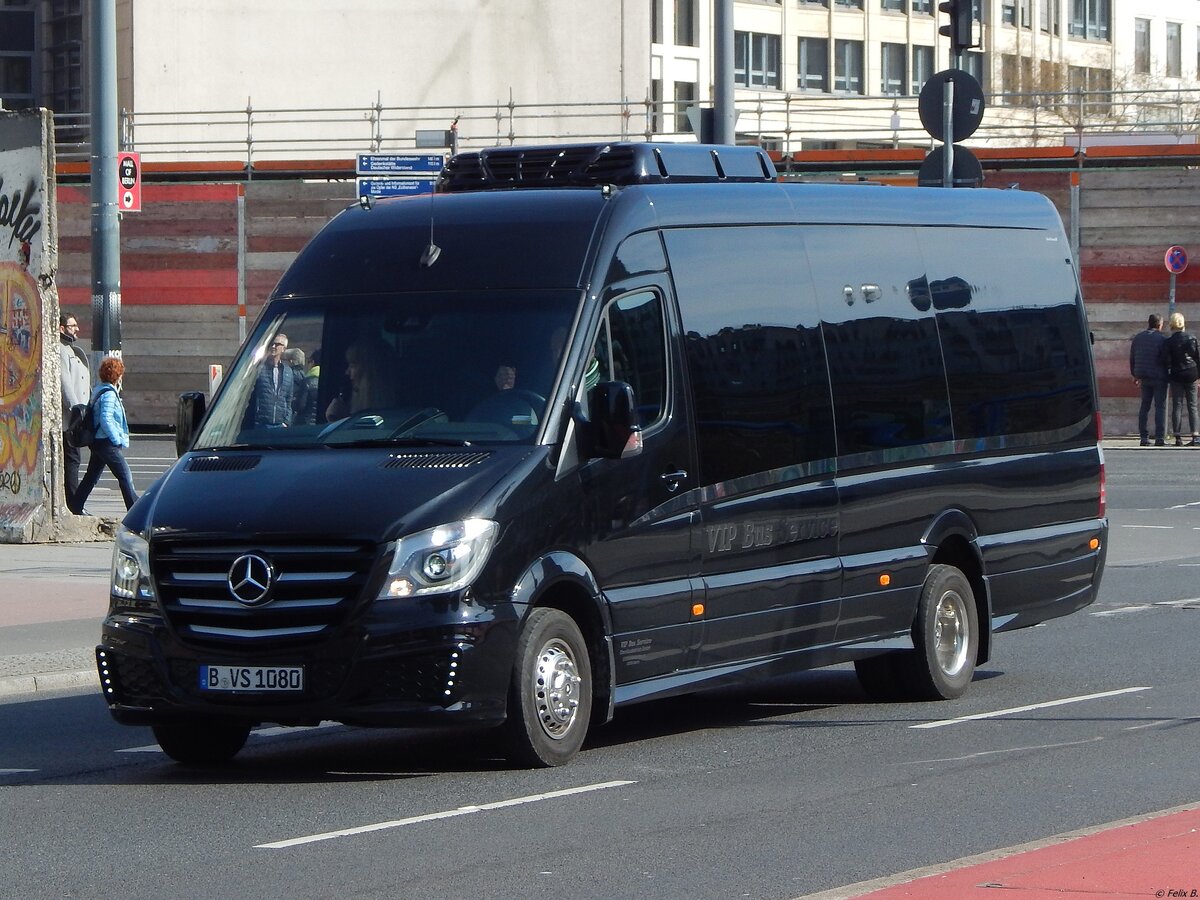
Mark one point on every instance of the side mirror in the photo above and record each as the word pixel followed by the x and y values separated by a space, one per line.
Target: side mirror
pixel 188 416
pixel 612 430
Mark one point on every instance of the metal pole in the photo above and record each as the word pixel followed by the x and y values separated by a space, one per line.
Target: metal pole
pixel 106 227
pixel 724 117
pixel 948 128
pixel 241 264
pixel 1171 298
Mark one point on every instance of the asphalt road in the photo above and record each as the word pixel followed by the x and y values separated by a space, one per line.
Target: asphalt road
pixel 786 790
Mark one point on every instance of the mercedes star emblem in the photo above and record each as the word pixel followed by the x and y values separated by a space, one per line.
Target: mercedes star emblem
pixel 250 579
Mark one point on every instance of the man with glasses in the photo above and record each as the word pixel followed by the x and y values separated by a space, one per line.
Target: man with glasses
pixel 274 388
pixel 76 388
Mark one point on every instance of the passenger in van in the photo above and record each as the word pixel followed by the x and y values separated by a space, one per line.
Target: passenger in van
pixel 294 358
pixel 274 387
pixel 1149 370
pixel 1182 357
pixel 371 369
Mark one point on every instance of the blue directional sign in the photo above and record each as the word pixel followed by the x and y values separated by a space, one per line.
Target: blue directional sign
pixel 395 164
pixel 394 187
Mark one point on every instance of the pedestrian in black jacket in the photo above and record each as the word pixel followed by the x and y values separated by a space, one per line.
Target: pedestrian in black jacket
pixel 1149 371
pixel 1182 358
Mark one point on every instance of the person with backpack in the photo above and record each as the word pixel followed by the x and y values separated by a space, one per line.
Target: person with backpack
pixel 111 434
pixel 1182 357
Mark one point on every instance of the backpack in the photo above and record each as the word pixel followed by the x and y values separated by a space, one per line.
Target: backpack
pixel 80 426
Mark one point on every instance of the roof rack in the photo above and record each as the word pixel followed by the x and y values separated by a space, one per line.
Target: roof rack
pixel 581 165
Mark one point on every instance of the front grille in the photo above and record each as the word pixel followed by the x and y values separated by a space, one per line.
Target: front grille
pixel 433 460
pixel 314 587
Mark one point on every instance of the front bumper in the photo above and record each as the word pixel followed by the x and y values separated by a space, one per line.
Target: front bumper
pixel 453 667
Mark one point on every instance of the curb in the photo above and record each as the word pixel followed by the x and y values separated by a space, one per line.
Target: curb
pixel 17 685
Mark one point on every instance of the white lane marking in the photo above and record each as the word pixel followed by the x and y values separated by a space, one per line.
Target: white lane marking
pixel 1177 602
pixel 919 762
pixel 1166 527
pixel 16 771
pixel 1154 724
pixel 257 732
pixel 1119 610
pixel 1020 709
pixel 448 814
pixel 1185 505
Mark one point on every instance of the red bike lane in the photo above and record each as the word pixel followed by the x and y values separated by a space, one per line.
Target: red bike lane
pixel 1156 855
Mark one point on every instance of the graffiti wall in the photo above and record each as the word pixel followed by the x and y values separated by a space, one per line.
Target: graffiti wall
pixel 26 271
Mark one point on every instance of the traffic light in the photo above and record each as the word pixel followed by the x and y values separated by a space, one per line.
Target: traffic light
pixel 961 29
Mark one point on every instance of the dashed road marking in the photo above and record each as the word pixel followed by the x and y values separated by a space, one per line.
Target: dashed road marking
pixel 448 814
pixel 16 771
pixel 1032 706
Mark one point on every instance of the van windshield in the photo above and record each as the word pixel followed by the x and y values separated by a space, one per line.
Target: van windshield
pixel 400 369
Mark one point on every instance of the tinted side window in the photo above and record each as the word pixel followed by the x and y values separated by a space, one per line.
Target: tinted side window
pixel 754 352
pixel 631 347
pixel 889 385
pixel 1017 354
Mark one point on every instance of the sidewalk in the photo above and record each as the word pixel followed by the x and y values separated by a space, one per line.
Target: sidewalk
pixel 52 599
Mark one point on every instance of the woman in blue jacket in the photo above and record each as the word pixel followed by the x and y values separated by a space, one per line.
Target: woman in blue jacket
pixel 112 433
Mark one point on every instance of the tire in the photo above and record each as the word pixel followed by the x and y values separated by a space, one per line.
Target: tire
pixel 550 698
pixel 202 743
pixel 946 637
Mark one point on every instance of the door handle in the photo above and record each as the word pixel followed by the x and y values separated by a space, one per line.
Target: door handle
pixel 672 479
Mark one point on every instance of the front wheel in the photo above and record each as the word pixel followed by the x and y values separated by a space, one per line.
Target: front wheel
pixel 946 636
pixel 550 699
pixel 202 743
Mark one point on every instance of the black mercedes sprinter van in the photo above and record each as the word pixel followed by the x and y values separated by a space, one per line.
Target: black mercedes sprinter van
pixel 597 424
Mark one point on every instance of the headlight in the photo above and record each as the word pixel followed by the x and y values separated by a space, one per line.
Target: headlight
pixel 131 567
pixel 442 559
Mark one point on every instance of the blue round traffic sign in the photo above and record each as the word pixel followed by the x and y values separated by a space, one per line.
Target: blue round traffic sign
pixel 1176 260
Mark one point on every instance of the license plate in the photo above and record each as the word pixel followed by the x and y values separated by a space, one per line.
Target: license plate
pixel 251 678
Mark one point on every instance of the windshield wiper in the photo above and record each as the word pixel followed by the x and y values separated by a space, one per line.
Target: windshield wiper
pixel 399 442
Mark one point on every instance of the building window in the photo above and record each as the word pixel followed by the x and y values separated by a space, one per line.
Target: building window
pixel 1026 14
pixel 685 96
pixel 656 105
pixel 1141 46
pixel 756 60
pixel 1008 12
pixel 922 66
pixel 892 5
pixel 1174 50
pixel 972 62
pixel 1090 19
pixel 685 23
pixel 893 69
pixel 813 64
pixel 922 7
pixel 849 4
pixel 848 67
pixel 1050 17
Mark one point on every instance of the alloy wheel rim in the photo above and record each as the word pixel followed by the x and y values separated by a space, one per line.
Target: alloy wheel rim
pixel 950 636
pixel 555 689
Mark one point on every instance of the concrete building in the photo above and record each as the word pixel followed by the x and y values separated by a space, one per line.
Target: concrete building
pixel 305 79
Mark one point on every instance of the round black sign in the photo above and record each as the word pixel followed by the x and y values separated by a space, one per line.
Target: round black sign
pixel 966 171
pixel 128 172
pixel 967 111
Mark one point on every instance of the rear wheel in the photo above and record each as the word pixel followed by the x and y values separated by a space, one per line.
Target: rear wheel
pixel 202 743
pixel 550 699
pixel 946 635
